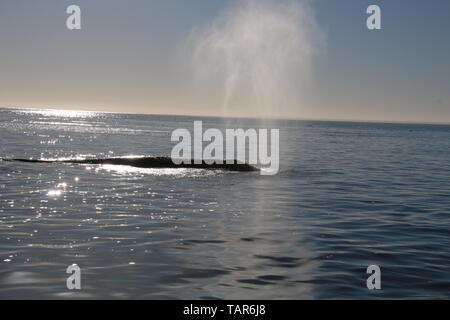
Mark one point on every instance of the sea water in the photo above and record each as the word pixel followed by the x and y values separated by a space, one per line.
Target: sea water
pixel 348 195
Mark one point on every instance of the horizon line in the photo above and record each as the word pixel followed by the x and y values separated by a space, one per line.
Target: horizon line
pixel 236 117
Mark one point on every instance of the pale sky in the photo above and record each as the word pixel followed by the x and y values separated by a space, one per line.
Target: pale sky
pixel 137 56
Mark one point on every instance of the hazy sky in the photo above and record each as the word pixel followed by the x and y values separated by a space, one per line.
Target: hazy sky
pixel 164 56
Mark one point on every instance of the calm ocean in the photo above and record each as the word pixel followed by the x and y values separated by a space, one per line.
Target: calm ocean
pixel 348 195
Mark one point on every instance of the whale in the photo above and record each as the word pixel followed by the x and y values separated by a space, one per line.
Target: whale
pixel 160 162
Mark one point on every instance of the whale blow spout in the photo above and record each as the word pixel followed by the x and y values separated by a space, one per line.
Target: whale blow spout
pixel 150 162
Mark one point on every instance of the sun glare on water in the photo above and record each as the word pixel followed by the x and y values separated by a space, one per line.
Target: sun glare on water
pixel 61 113
pixel 129 170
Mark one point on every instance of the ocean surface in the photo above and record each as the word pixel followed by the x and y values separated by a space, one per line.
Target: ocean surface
pixel 348 195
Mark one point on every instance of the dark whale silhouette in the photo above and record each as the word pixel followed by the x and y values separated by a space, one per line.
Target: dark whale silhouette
pixel 149 162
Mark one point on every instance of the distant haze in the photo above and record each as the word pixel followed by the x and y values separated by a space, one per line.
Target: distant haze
pixel 246 58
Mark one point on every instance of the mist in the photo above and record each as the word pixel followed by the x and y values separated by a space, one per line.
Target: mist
pixel 256 57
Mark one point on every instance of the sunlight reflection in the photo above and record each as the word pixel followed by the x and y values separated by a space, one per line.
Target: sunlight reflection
pixel 54 193
pixel 126 170
pixel 62 185
pixel 61 113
